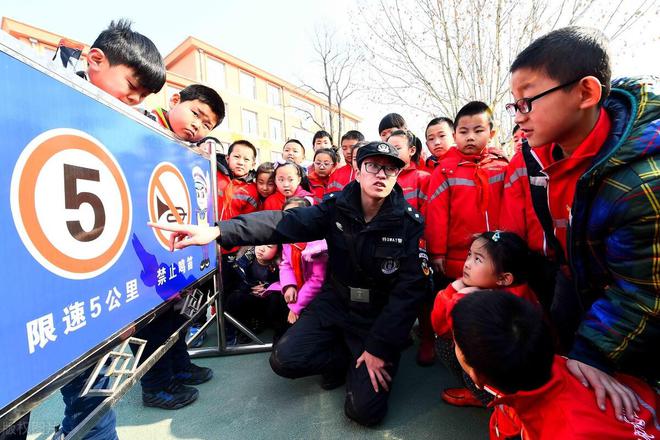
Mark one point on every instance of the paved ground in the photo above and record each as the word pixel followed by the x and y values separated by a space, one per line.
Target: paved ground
pixel 246 400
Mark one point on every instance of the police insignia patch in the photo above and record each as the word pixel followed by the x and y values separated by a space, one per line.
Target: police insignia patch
pixel 389 266
pixel 425 267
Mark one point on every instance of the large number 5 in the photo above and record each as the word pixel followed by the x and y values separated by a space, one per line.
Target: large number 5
pixel 73 199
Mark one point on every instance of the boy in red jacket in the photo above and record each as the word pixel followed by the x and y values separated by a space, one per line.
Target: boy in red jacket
pixel 465 191
pixel 439 139
pixel 346 174
pixel 237 192
pixel 504 344
pixel 194 112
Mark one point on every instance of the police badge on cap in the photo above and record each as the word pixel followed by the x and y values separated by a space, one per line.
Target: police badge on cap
pixel 379 149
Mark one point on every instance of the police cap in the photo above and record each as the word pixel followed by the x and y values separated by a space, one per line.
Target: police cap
pixel 379 148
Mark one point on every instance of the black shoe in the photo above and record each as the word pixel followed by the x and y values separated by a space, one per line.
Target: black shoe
pixel 332 380
pixel 194 375
pixel 174 396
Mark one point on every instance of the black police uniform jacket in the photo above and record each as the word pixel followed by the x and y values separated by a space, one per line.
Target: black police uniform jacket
pixel 391 261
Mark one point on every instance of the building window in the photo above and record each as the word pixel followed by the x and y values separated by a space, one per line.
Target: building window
pixel 274 95
pixel 305 137
pixel 326 120
pixel 304 111
pixel 275 129
pixel 248 86
pixel 224 125
pixel 249 123
pixel 215 73
pixel 275 156
pixel 303 105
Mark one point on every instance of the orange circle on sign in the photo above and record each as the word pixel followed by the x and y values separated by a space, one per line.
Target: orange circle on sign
pixel 28 211
pixel 155 183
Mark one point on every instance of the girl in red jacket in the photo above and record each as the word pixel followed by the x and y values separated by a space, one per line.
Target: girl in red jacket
pixel 288 179
pixel 265 181
pixel 325 162
pixel 413 181
pixel 496 260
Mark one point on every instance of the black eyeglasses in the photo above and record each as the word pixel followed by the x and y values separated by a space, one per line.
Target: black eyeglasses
pixel 374 168
pixel 524 105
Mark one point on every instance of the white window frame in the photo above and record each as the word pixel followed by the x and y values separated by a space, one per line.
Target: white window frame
pixel 218 82
pixel 243 87
pixel 274 95
pixel 249 131
pixel 276 134
pixel 224 126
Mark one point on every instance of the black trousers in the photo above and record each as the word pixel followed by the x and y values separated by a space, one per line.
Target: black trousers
pixel 177 359
pixel 308 348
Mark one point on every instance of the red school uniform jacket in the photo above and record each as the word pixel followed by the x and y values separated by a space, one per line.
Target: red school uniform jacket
pixel 465 196
pixel 318 185
pixel 340 178
pixel 236 196
pixel 414 183
pixel 276 201
pixel 447 298
pixel 563 174
pixel 565 409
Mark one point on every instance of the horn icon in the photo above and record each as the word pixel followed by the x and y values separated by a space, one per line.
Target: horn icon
pixel 161 207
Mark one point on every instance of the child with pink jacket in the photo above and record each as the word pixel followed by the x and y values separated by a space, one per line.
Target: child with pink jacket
pixel 302 269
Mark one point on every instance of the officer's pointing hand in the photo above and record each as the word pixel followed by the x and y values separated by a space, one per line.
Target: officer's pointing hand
pixel 376 369
pixel 187 235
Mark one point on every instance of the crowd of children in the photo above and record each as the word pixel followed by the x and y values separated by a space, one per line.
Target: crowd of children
pixel 483 231
pixel 554 252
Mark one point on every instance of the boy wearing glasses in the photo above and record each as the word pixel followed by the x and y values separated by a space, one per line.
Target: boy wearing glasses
pixel 464 192
pixel 594 181
pixel 353 331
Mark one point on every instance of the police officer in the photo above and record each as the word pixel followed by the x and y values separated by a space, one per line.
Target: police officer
pixel 377 273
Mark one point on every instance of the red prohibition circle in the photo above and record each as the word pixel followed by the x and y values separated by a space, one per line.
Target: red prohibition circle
pixel 155 183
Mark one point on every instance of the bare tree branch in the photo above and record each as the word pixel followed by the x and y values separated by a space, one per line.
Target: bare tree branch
pixel 434 55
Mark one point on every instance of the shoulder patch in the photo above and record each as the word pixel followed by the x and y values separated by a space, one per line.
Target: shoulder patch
pixel 330 196
pixel 414 214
